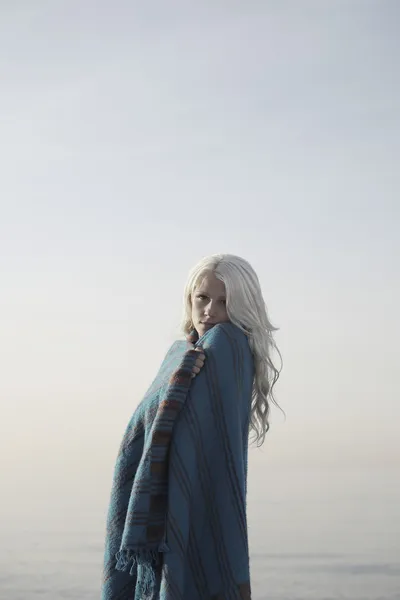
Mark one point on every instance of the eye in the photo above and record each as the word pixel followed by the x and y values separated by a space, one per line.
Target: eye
pixel 201 297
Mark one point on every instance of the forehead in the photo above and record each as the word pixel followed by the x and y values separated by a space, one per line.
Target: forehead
pixel 211 285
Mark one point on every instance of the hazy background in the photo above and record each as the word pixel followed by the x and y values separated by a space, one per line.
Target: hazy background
pixel 135 138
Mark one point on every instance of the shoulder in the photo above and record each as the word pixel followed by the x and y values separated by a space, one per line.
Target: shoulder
pixel 229 364
pixel 226 340
pixel 223 333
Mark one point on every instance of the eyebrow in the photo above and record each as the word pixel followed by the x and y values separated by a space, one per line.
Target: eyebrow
pixel 205 293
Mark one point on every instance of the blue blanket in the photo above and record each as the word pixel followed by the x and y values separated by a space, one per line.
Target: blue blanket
pixel 176 526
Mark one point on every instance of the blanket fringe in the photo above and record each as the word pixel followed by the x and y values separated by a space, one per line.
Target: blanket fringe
pixel 142 562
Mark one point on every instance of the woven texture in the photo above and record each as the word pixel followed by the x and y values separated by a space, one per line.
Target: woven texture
pixel 176 526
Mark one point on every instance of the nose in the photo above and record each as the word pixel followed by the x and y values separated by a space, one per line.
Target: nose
pixel 210 309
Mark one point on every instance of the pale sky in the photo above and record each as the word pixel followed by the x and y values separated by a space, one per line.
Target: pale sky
pixel 137 138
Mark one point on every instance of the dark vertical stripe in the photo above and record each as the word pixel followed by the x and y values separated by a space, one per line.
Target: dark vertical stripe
pixel 207 488
pixel 220 420
pixel 197 568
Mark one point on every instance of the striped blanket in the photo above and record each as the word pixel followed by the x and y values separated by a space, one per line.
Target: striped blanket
pixel 176 525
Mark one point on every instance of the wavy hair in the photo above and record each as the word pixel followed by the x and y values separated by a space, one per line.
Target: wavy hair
pixel 247 310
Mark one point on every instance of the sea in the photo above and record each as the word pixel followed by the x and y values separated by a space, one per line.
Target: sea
pixel 315 534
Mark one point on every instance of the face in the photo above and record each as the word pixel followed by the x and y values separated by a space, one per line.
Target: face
pixel 209 304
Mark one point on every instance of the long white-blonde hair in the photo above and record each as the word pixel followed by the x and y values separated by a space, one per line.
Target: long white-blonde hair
pixel 247 310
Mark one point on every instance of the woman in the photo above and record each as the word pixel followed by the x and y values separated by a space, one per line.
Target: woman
pixel 177 527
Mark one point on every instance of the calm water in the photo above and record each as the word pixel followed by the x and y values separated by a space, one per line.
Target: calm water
pixel 315 535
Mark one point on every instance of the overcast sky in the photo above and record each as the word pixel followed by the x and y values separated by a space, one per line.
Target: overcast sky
pixel 137 138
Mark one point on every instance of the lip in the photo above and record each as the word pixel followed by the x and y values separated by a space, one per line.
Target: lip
pixel 207 324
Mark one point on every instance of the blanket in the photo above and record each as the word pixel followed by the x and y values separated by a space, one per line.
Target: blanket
pixel 176 524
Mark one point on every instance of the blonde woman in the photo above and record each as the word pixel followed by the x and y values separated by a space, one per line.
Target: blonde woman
pixel 177 526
